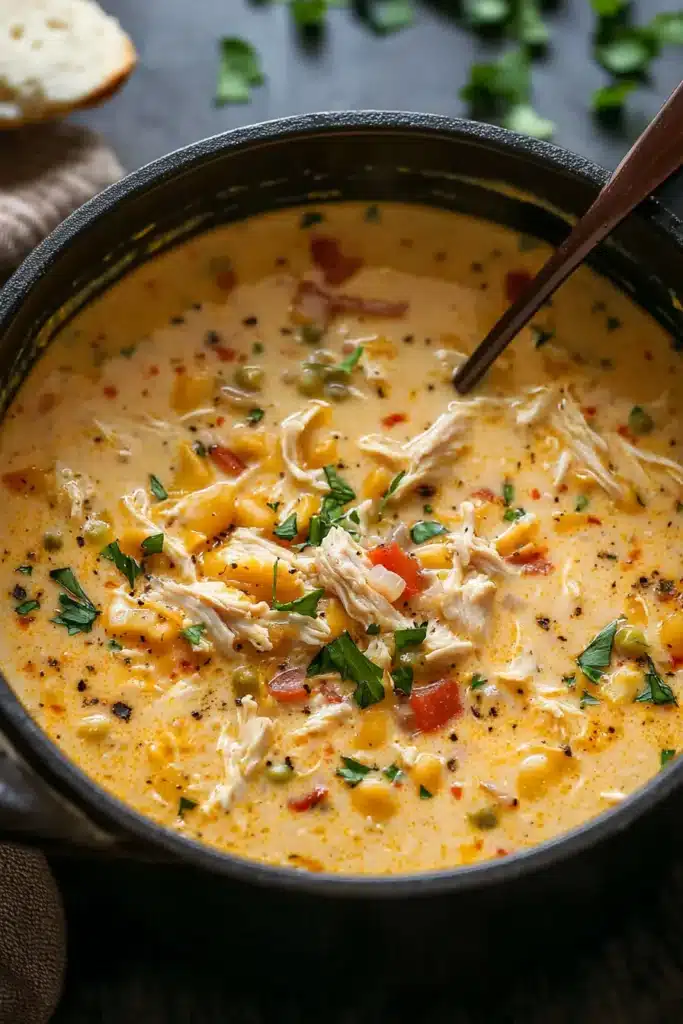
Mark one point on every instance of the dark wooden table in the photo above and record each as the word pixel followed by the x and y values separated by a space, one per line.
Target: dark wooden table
pixel 116 977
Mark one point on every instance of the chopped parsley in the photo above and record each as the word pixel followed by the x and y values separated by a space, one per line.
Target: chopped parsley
pixel 185 804
pixel 587 699
pixel 412 637
pixel 157 488
pixel 195 635
pixel 596 657
pixel 569 681
pixel 332 508
pixel 288 529
pixel 352 771
pixel 76 611
pixel 114 645
pixel 425 794
pixel 477 681
pixel 26 570
pixel 309 218
pixel 373 629
pixel 389 15
pixel 347 365
pixel 425 529
pixel 238 71
pixel 541 336
pixel 273 505
pixel 372 214
pixel 427 509
pixel 343 656
pixel 656 690
pixel 508 493
pixel 511 515
pixel 200 449
pixel 340 492
pixel 639 421
pixel 390 490
pixel 153 545
pixel 308 14
pixel 402 678
pixel 307 604
pixel 581 503
pixel 126 565
pixel 255 415
pixel 393 773
pixel 26 607
pixel 665 756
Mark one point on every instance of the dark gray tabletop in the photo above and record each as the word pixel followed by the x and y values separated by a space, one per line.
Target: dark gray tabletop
pixel 169 103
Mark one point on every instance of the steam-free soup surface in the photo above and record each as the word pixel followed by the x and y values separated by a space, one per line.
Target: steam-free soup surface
pixel 272 582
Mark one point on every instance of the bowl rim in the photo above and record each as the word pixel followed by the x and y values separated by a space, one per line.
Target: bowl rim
pixel 68 779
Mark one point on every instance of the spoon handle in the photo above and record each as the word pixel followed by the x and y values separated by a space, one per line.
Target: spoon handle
pixel 656 154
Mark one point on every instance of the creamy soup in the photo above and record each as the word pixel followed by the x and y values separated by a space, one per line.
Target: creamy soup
pixel 269 580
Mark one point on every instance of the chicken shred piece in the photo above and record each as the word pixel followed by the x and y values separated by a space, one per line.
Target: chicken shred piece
pixel 242 747
pixel 291 430
pixel 137 505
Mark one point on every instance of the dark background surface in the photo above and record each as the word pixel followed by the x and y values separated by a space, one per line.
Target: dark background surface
pixel 119 972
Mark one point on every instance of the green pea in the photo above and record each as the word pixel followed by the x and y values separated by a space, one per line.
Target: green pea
pixel 308 382
pixel 53 540
pixel 630 640
pixel 336 392
pixel 246 680
pixel 485 819
pixel 279 772
pixel 249 377
pixel 310 334
pixel 335 375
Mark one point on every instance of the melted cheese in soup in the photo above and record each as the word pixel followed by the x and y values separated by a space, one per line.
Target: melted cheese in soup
pixel 272 582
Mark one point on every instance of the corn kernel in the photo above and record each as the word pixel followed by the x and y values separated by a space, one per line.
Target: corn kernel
pixel 252 510
pixel 94 727
pixel 623 685
pixel 192 471
pixel 428 772
pixel 249 444
pixel 209 511
pixel 320 453
pixel 570 522
pixel 671 634
pixel 336 617
pixel 372 731
pixel 377 482
pixel 538 770
pixel 375 799
pixel 307 505
pixel 131 539
pixel 436 556
pixel 190 391
pixel 518 534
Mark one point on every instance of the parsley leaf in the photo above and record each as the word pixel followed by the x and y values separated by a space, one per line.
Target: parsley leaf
pixel 402 677
pixel 341 492
pixel 307 604
pixel 77 612
pixel 27 606
pixel 508 492
pixel 195 635
pixel 393 773
pixel 238 71
pixel 656 690
pixel 157 488
pixel 26 570
pixel 343 656
pixel 582 502
pixel 569 681
pixel 126 565
pixel 523 118
pixel 274 505
pixel 308 13
pixel 425 794
pixel 390 490
pixel 511 515
pixel 628 51
pixel 347 365
pixel 412 637
pixel 153 545
pixel 184 804
pixel 587 698
pixel 596 657
pixel 540 335
pixel 484 13
pixel 477 681
pixel 373 629
pixel 288 529
pixel 639 421
pixel 309 218
pixel 114 645
pixel 502 89
pixel 389 15
pixel 531 29
pixel 353 771
pixel 612 97
pixel 668 27
pixel 425 530
pixel 255 415
pixel 665 756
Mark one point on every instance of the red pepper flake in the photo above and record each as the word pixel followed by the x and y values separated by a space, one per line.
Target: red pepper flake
pixel 226 460
pixel 486 494
pixel 594 520
pixel 393 418
pixel 623 431
pixel 308 800
pixel 676 662
pixel 180 370
pixel 457 792
pixel 535 493
pixel 110 391
pixel 153 371
pixel 500 852
pixel 226 355
pixel 516 283
pixel 588 410
pixel 226 280
pixel 220 420
pixel 540 566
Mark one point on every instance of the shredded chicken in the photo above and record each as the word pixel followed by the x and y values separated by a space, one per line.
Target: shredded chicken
pixel 226 612
pixel 586 446
pixel 138 506
pixel 640 455
pixel 344 569
pixel 242 747
pixel 117 438
pixel 291 430
pixel 248 543
pixel 469 604
pixel 425 453
pixel 562 467
pixel 442 645
pixel 569 720
pixel 474 551
pixel 407 754
pixel 532 406
pixel 324 717
pixel 76 489
pixel 520 670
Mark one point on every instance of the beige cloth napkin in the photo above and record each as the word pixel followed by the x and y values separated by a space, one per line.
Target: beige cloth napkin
pixel 45 173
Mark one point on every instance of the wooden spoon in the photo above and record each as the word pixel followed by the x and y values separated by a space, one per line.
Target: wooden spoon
pixel 656 154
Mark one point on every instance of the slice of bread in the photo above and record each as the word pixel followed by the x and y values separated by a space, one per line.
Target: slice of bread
pixel 56 56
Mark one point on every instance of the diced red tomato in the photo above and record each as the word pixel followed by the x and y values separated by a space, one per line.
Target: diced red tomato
pixel 110 391
pixel 623 431
pixel 456 791
pixel 436 704
pixel 535 493
pixel 392 557
pixel 516 283
pixel 486 494
pixel 308 800
pixel 336 267
pixel 594 520
pixel 288 687
pixel 393 418
pixel 225 354
pixel 226 460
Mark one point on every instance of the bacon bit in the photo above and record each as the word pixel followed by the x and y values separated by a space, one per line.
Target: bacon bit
pixel 393 418
pixel 478 844
pixel 153 371
pixel 594 520
pixel 368 307
pixel 331 694
pixel 314 305
pixel 26 620
pixel 220 420
pixel 58 709
pixel 226 355
pixel 486 494
pixel 535 493
pixel 588 410
pixel 457 792
pixel 47 402
pixel 516 282
pixel 301 860
pixel 308 800
pixel 110 391
pixel 327 255
pixel 288 686
pixel 226 460
pixel 562 488
pixel 226 280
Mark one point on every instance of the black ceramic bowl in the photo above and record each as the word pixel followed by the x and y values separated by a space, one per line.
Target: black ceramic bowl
pixel 455 165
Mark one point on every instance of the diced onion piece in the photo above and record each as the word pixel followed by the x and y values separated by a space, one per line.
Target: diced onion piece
pixel 386 582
